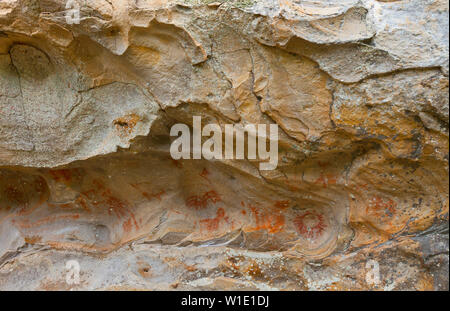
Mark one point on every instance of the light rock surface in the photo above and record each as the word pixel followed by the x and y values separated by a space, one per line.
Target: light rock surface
pixel 359 89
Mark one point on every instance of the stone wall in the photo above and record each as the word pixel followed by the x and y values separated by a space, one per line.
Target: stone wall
pixel 358 88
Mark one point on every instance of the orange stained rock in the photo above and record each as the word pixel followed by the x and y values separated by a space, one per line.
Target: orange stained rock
pixel 253 270
pixel 33 239
pixel 212 224
pixel 149 196
pixel 15 195
pixel 310 224
pixel 177 163
pixel 114 205
pixel 28 224
pixel 381 206
pixel 272 222
pixel 63 175
pixel 200 202
pixel 126 124
pixel 325 180
pixel 127 225
pixel 283 204
pixel 205 174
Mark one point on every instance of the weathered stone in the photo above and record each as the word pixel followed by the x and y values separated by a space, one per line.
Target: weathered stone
pixel 359 90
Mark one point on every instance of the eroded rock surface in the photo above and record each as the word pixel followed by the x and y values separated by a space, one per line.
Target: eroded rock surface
pixel 359 90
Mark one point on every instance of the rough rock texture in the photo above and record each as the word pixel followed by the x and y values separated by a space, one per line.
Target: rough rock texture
pixel 359 89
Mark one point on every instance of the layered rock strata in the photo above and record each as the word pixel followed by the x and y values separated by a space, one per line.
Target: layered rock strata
pixel 358 88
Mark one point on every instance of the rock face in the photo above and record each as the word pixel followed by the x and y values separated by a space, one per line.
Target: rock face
pixel 358 88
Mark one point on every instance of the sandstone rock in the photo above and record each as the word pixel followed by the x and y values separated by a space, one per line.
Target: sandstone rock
pixel 359 199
